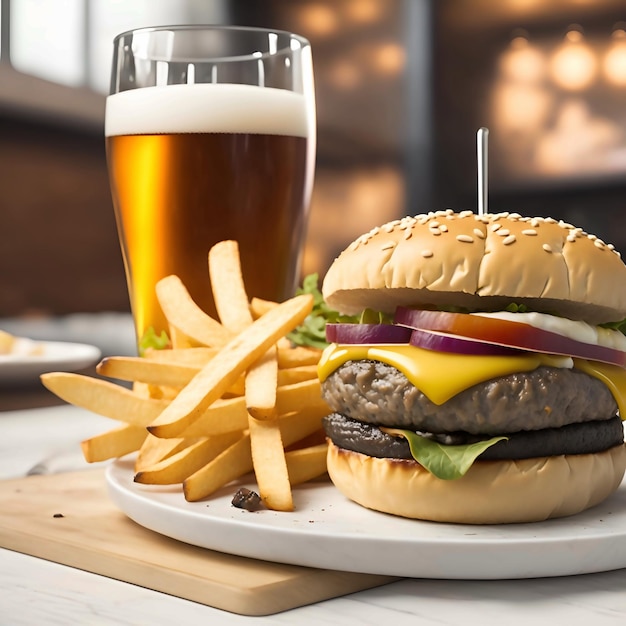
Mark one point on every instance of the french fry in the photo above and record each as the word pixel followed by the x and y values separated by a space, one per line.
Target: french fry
pixel 180 340
pixel 229 363
pixel 163 392
pixel 295 357
pixel 176 467
pixel 314 439
pixel 222 416
pixel 146 371
pixel 186 316
pixel 260 387
pixel 266 445
pixel 104 398
pixel 113 443
pixel 259 307
pixel 191 357
pixel 153 450
pixel 300 395
pixel 306 463
pixel 268 462
pixel 231 302
pixel 141 389
pixel 294 375
pixel 299 425
pixel 163 379
pixel 234 462
pixel 229 292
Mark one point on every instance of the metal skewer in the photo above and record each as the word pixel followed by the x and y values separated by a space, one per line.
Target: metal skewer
pixel 482 154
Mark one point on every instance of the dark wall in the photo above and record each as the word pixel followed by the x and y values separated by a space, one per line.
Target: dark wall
pixel 58 243
pixel 468 43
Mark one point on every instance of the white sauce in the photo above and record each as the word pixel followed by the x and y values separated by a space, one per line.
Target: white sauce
pixel 577 330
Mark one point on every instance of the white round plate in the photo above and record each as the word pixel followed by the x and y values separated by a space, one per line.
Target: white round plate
pixel 328 531
pixel 20 367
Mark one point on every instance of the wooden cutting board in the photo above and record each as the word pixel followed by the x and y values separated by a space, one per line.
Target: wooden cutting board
pixel 69 519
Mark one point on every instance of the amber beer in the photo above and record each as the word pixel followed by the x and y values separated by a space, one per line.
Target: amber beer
pixel 191 165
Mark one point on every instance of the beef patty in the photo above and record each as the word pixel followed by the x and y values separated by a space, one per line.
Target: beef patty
pixel 582 438
pixel 548 397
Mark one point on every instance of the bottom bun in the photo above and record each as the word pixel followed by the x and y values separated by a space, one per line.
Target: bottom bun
pixel 492 492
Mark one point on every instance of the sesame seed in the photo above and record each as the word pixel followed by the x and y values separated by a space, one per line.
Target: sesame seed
pixel 408 234
pixel 434 224
pixel 610 246
pixel 599 244
pixel 443 228
pixel 479 233
pixel 592 237
pixel 465 239
pixel 509 240
pixel 435 231
pixel 466 213
pixel 504 232
pixel 496 227
pixel 534 222
pixel 529 231
pixel 571 238
pixel 388 246
pixel 547 247
pixel 427 253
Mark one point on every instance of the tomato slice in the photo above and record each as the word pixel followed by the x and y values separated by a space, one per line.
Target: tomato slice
pixel 506 333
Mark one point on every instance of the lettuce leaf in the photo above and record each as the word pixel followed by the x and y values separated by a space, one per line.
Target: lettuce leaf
pixel 151 340
pixel 443 461
pixel 312 332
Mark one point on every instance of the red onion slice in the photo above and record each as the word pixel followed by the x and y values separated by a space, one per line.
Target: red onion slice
pixel 367 333
pixel 441 342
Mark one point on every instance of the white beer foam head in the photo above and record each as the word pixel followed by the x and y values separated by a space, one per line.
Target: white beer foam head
pixel 207 108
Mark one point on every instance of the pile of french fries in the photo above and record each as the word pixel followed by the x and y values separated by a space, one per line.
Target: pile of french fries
pixel 227 398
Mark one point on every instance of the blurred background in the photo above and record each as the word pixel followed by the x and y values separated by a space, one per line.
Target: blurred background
pixel 402 87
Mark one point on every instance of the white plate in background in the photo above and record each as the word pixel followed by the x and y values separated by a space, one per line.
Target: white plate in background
pixel 23 367
pixel 328 531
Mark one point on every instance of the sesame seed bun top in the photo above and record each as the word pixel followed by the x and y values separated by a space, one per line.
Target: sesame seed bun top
pixel 480 262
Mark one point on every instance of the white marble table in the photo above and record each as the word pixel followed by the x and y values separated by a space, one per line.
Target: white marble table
pixel 37 592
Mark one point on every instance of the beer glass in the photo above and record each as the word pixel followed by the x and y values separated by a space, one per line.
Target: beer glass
pixel 210 135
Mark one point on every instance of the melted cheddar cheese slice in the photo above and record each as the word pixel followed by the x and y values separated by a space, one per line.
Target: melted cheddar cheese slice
pixel 442 375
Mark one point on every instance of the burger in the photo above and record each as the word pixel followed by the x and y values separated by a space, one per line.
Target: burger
pixel 481 376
